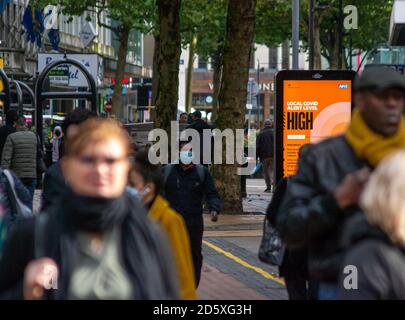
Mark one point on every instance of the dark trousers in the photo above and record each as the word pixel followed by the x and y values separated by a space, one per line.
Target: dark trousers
pixel 30 184
pixel 196 234
pixel 300 288
pixel 267 167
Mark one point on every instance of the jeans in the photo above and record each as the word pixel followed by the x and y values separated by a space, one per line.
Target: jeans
pixel 327 291
pixel 30 184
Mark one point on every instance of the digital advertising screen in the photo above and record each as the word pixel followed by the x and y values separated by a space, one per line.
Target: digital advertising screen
pixel 309 111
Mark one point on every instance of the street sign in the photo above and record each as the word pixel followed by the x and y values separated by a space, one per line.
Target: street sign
pixel 87 34
pixel 76 78
pixel 310 107
pixel 60 75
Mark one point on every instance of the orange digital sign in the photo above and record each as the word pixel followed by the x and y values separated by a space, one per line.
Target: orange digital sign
pixel 312 111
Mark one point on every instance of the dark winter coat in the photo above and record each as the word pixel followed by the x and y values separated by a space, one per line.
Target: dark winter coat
pixel 54 186
pixel 295 259
pixel 20 153
pixel 5 131
pixel 150 249
pixel 311 216
pixel 265 143
pixel 379 263
pixel 186 193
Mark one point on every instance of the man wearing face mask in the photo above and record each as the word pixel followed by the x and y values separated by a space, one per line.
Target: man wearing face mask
pixel 186 187
pixel 321 202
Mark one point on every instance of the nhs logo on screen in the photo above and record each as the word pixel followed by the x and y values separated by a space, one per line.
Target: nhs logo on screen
pixel 343 86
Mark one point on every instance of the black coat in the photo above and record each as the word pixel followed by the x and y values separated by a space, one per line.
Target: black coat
pixel 186 194
pixel 265 143
pixel 55 186
pixel 295 259
pixel 22 246
pixel 311 216
pixel 380 270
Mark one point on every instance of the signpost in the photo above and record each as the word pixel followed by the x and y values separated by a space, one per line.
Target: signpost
pixel 87 34
pixel 311 106
pixel 76 78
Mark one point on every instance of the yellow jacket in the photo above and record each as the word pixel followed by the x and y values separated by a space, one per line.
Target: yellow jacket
pixel 173 224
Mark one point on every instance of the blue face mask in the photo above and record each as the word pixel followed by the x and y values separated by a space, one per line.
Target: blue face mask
pixel 186 157
pixel 133 192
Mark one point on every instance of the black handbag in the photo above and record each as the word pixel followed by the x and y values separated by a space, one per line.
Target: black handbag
pixel 272 249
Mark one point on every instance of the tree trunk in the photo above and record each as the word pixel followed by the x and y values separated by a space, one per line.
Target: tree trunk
pixel 317 42
pixel 216 60
pixel 190 68
pixel 232 98
pixel 120 72
pixel 334 51
pixel 155 81
pixel 155 76
pixel 167 65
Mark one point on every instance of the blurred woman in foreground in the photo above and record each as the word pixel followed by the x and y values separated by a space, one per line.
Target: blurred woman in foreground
pixel 97 243
pixel 147 179
pixel 374 269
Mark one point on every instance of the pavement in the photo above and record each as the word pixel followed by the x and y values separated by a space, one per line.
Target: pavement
pixel 231 269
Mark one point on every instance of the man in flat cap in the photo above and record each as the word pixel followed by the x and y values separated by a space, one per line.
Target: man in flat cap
pixel 321 202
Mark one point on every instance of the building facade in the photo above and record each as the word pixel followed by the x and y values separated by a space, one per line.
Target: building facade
pixel 19 57
pixel 264 64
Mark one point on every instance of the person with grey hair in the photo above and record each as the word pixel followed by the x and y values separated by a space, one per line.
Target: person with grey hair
pixel 265 153
pixel 20 155
pixel 375 265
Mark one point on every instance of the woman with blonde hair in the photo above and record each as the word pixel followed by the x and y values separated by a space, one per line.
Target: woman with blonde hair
pixel 375 267
pixel 97 243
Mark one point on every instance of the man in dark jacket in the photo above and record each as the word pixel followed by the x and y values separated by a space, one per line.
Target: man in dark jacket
pixel 199 125
pixel 186 187
pixel 325 191
pixel 20 155
pixel 265 152
pixel 8 128
pixel 54 181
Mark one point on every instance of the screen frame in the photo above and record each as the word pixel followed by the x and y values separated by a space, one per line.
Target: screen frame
pixel 280 77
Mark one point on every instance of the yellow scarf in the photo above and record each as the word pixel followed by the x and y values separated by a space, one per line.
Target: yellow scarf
pixel 372 146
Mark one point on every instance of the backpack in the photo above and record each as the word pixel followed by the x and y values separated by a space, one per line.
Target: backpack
pixel 167 170
pixel 17 207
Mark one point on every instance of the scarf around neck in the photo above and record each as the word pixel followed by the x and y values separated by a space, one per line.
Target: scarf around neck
pixel 146 256
pixel 95 214
pixel 372 146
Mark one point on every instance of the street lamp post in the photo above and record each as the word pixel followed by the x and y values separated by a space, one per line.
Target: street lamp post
pixel 311 34
pixel 295 33
pixel 258 93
